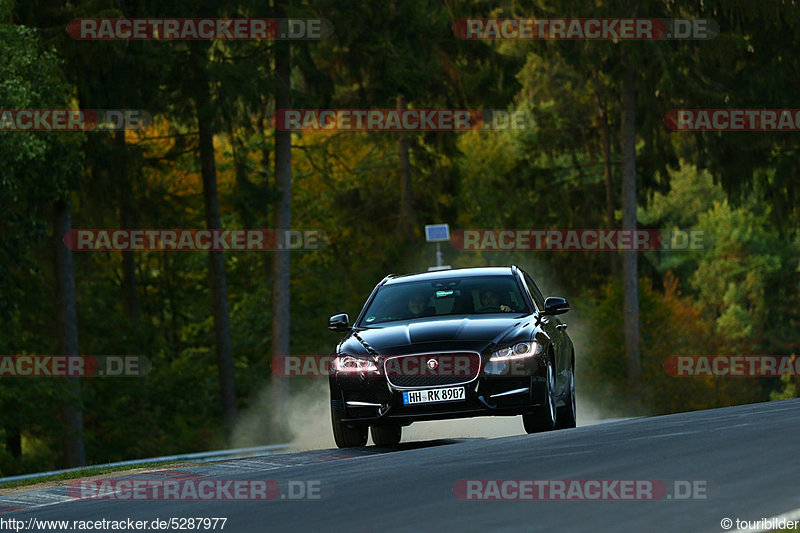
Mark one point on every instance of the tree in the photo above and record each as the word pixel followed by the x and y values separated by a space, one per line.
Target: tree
pixel 39 168
pixel 640 72
pixel 630 270
pixel 281 263
pixel 75 454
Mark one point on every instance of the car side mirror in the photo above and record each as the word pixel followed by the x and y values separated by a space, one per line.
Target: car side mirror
pixel 555 305
pixel 340 322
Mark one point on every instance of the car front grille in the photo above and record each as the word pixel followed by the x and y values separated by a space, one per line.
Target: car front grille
pixel 419 370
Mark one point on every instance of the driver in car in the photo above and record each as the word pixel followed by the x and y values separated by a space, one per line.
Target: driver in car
pixel 490 301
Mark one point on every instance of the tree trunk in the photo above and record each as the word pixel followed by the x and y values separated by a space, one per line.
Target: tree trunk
pixel 219 289
pixel 265 158
pixel 74 452
pixel 129 292
pixel 281 263
pixel 630 269
pixel 606 135
pixel 406 206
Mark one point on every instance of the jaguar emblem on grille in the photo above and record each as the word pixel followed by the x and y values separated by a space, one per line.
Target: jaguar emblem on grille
pixel 432 364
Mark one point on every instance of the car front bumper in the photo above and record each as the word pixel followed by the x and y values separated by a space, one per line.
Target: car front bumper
pixel 509 388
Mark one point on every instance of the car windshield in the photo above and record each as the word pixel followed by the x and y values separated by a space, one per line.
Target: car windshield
pixel 448 296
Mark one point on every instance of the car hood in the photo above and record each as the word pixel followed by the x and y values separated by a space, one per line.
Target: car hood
pixel 446 333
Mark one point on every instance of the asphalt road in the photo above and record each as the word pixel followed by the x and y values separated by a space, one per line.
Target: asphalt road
pixel 745 457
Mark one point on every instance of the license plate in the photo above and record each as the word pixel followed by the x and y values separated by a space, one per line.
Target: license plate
pixel 433 395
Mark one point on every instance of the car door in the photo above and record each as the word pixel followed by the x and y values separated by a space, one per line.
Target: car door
pixel 556 329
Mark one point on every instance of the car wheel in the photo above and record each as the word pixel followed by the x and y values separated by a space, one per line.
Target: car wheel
pixel 346 436
pixel 388 435
pixel 544 418
pixel 566 415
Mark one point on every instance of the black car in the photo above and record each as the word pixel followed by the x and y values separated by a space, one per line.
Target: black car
pixel 451 344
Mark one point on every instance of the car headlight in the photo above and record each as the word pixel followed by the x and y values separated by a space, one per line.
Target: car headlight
pixel 519 350
pixel 348 363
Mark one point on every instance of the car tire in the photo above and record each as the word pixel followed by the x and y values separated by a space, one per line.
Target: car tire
pixel 346 436
pixel 566 417
pixel 388 435
pixel 544 418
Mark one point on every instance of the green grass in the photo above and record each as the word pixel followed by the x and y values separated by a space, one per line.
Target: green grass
pixel 86 472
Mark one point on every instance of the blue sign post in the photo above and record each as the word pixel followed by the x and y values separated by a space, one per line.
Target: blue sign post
pixel 438 233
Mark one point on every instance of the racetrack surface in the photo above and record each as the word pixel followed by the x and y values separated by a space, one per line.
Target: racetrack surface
pixel 746 456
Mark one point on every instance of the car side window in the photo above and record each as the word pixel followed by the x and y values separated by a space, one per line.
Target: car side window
pixel 535 292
